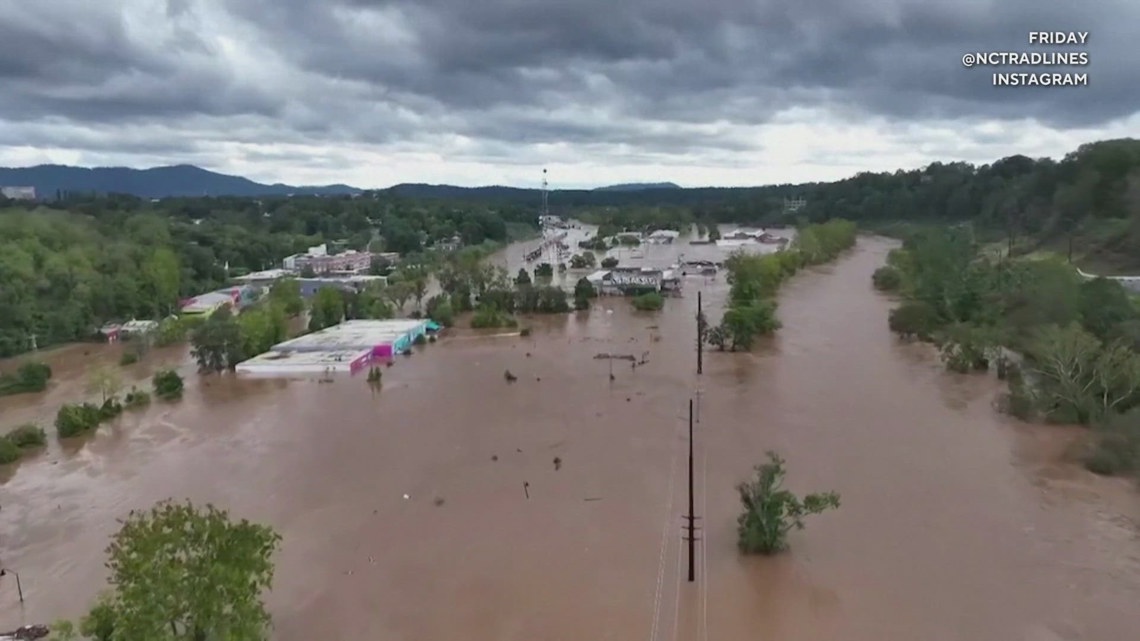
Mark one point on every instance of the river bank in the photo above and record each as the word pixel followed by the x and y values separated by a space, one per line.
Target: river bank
pixel 955 524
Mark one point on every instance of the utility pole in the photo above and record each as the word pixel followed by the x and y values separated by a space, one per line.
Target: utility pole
pixel 700 336
pixel 692 539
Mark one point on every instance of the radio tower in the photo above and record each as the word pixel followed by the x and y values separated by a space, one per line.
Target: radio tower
pixel 545 211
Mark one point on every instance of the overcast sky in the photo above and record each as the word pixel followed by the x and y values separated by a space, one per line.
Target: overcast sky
pixel 476 92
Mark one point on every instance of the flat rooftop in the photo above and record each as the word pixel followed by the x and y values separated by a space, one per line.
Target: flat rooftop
pixel 285 361
pixel 353 335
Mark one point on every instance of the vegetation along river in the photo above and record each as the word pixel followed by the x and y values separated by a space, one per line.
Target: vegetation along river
pixel 955 524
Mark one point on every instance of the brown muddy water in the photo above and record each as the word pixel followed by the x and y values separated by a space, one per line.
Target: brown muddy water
pixel 956 524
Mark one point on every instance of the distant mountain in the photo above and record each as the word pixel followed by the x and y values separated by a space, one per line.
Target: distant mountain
pixel 157 182
pixel 639 187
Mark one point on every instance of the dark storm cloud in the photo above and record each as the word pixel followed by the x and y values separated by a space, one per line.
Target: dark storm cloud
pixel 534 71
pixel 898 58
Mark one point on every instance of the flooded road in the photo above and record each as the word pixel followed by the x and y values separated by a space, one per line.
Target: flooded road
pixel 955 524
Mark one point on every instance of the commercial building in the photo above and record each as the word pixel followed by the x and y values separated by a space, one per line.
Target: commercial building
pixel 345 348
pixel 321 261
pixel 355 283
pixel 626 281
pixel 236 298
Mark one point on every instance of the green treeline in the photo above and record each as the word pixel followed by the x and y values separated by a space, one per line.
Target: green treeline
pixel 91 260
pixel 756 279
pixel 68 270
pixel 1068 346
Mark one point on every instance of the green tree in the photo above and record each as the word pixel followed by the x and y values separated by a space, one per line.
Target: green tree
pixel 327 309
pixel 104 381
pixel 648 302
pixel 771 512
pixel 1104 305
pixel 216 344
pixel 523 278
pixel 287 293
pixel 718 337
pixel 182 572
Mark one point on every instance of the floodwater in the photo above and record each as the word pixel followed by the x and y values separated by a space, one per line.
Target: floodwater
pixel 955 525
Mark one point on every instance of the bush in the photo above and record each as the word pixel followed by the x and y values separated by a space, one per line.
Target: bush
pixel 609 262
pixel 136 398
pixel 167 385
pixel 443 314
pixel 489 316
pixel 29 378
pixel 887 279
pixel 524 332
pixel 771 512
pixel 9 452
pixel 128 358
pixel 27 436
pixel 914 320
pixel 74 420
pixel 649 302
pixel 1115 449
pixel 420 340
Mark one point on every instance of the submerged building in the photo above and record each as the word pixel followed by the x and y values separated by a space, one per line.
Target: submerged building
pixel 629 281
pixel 345 348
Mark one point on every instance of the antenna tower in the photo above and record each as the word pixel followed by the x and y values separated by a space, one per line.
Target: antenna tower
pixel 545 210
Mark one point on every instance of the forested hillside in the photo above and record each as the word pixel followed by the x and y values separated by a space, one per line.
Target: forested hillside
pixel 65 273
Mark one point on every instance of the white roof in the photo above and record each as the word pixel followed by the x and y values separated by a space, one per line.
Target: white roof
pixel 352 335
pixel 598 275
pixel 275 362
pixel 208 301
pixel 268 274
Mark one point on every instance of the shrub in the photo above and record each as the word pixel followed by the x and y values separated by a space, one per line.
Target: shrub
pixel 524 332
pixel 609 262
pixel 128 358
pixel 420 340
pixel 29 378
pixel 167 385
pixel 489 316
pixel 74 420
pixel 648 302
pixel 27 436
pixel 136 398
pixel 914 320
pixel 1115 446
pixel 887 279
pixel 9 452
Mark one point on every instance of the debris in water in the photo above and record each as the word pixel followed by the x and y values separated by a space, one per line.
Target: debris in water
pixel 593 498
pixel 628 399
pixel 26 633
pixel 438 501
pixel 526 488
pixel 528 354
pixel 510 377
pixel 406 497
pixel 494 457
pixel 557 463
pixel 538 378
pixel 519 450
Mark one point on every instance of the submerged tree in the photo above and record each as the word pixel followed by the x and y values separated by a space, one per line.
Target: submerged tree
pixel 182 572
pixel 771 512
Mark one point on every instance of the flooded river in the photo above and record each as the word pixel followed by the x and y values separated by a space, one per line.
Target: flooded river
pixel 955 525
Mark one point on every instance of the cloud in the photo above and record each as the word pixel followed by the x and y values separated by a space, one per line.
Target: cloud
pixel 695 91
